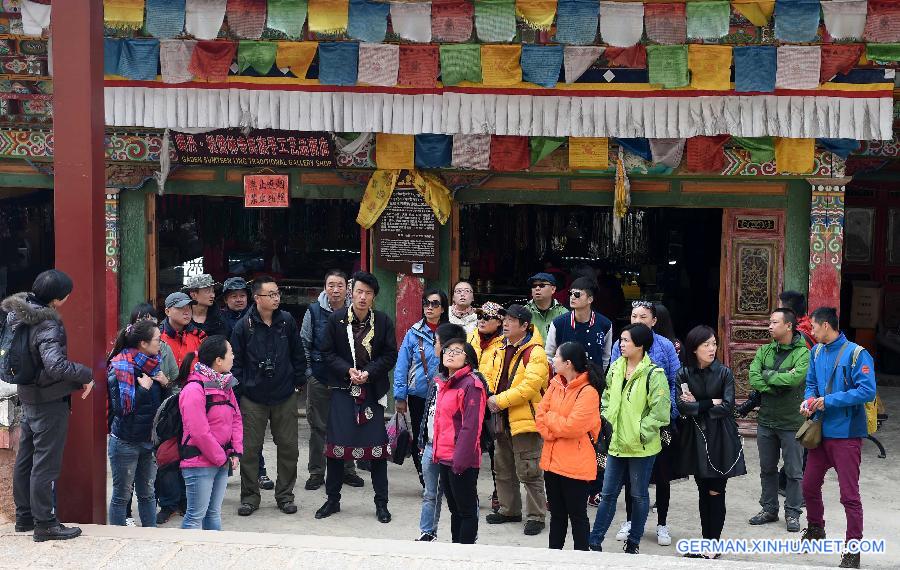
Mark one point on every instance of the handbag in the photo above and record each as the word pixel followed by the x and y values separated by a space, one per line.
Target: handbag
pixel 399 438
pixel 601 446
pixel 810 433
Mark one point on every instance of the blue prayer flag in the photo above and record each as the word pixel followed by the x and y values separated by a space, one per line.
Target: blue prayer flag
pixel 112 51
pixel 338 63
pixel 433 151
pixel 368 20
pixel 576 21
pixel 797 20
pixel 140 59
pixel 754 68
pixel 165 18
pixel 640 147
pixel 541 64
pixel 840 147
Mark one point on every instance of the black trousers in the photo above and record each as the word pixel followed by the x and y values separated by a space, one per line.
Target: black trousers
pixel 568 501
pixel 416 412
pixel 39 460
pixel 712 507
pixel 461 493
pixel 334 479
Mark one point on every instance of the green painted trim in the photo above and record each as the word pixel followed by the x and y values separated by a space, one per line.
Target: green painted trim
pixel 796 237
pixel 132 251
pixel 35 180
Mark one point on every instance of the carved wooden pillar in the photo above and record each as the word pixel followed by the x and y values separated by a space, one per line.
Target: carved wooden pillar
pixel 826 241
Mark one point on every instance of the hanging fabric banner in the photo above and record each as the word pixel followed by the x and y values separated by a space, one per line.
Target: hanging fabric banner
pixel 296 56
pixel 794 155
pixel 537 14
pixel 394 151
pixel 799 67
pixel 666 23
pixel 354 152
pixel 667 152
pixel 841 147
pixel 418 66
pixel 433 151
pixel 471 152
pixel 246 18
pixel 621 199
pixel 451 20
pixel 757 12
pixel 212 59
pixel 762 149
pixel 708 20
pixel 883 52
pixel 35 17
pixel 495 20
pixel 638 147
pixel 435 193
pixel 706 154
pixel 376 197
pixel 500 65
pixel 412 21
pixel 509 153
pixel 635 57
pixel 165 18
pixel 668 66
pixel 588 153
pixel 123 14
pixel 754 69
pixel 845 19
pixel 203 18
pixel 839 58
pixel 576 21
pixel 139 59
pixel 621 23
pixel 112 52
pixel 379 64
pixel 338 63
pixel 577 60
pixel 174 60
pixel 328 16
pixel 542 147
pixel 258 55
pixel 883 21
pixel 710 67
pixel 461 62
pixel 368 20
pixel 541 64
pixel 797 20
pixel 287 16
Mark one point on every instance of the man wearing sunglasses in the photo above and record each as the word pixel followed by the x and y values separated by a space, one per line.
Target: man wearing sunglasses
pixel 583 325
pixel 544 308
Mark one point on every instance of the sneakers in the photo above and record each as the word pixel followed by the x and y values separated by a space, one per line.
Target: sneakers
pixel 849 560
pixel 663 538
pixel 763 517
pixel 287 508
pixel 623 531
pixel 813 532
pixel 58 532
pixel 426 537
pixel 246 509
pixel 130 522
pixel 533 527
pixel 497 518
pixel 631 547
pixel 792 524
pixel 594 500
pixel 164 514
pixel 314 482
pixel 265 483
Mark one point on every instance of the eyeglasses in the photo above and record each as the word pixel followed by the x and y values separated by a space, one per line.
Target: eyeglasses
pixel 453 351
pixel 272 295
pixel 466 290
pixel 576 294
pixel 539 285
pixel 431 304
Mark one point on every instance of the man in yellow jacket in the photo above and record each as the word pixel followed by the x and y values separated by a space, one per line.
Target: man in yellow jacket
pixel 518 378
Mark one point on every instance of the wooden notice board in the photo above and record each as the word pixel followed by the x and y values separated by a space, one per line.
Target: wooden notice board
pixel 407 234
pixel 267 191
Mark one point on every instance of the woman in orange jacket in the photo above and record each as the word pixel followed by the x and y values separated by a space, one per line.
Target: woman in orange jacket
pixel 569 412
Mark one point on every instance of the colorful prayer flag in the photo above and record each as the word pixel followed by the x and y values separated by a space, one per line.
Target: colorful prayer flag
pixel 124 14
pixel 541 64
pixel 460 62
pixel 796 156
pixel 471 152
pixel 577 60
pixel 287 16
pixel 394 152
pixel 576 21
pixel 710 67
pixel 412 21
pixel 328 16
pixel 797 20
pixel 667 152
pixel 588 153
pixel 537 14
pixel 762 149
pixel 839 58
pixel 165 18
pixel 666 23
pixel 637 146
pixel 500 65
pixel 883 52
pixel 139 59
pixel 845 19
pixel 296 56
pixel 757 12
pixel 708 20
pixel 754 69
pixel 175 59
pixel 367 20
pixel 338 63
pixel 451 20
pixel 706 154
pixel 203 18
pixel 621 23
pixel 35 17
pixel 258 55
pixel 634 56
pixel 433 151
pixel 246 18
pixel 376 197
pixel 495 20
pixel 799 67
pixel 509 153
pixel 418 65
pixel 212 59
pixel 112 52
pixel 379 64
pixel 542 147
pixel 883 21
pixel 668 66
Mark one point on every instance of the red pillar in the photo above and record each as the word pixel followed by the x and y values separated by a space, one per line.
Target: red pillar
pixel 826 242
pixel 79 184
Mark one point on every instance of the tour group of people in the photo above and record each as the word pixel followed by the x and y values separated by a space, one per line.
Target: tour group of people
pixel 560 402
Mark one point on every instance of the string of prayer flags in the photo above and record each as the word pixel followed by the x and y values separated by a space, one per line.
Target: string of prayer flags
pixel 542 147
pixel 667 152
pixel 841 147
pixel 495 20
pixel 338 63
pixel 883 52
pixel 418 65
pixel 165 18
pixel 799 67
pixel 797 20
pixel 500 65
pixel 471 152
pixel 257 55
pixel 246 18
pixel 668 66
pixel 708 20
pixel 367 20
pixel 35 17
pixel 637 146
pixel 666 23
pixel 211 60
pixel 296 56
pixel 451 20
pixel 576 21
pixel 379 64
pixel 509 153
pixel 112 51
pixel 287 16
pixel 433 151
pixel 883 21
pixel 762 149
pixel 754 69
pixel 635 56
pixel 123 14
pixel 839 58
pixel 376 197
pixel 845 19
pixel 541 64
pixel 175 59
pixel 328 16
pixel 460 62
pixel 138 59
pixel 203 18
pixel 577 60
pixel 394 152
pixel 710 67
pixel 706 154
pixel 794 155
pixel 588 153
pixel 621 23
pixel 412 21
pixel 537 14
pixel 757 12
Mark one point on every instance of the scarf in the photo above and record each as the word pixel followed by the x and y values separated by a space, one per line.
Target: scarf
pixel 359 392
pixel 462 315
pixel 125 366
pixel 214 379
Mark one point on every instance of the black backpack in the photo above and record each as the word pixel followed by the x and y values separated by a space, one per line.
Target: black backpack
pixel 16 364
pixel 167 424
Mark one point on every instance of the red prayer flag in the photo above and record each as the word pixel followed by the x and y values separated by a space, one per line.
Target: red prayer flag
pixel 246 18
pixel 634 56
pixel 666 23
pixel 883 21
pixel 451 20
pixel 509 153
pixel 212 59
pixel 706 154
pixel 839 58
pixel 418 65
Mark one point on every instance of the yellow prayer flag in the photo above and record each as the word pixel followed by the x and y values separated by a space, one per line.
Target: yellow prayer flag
pixel 588 153
pixel 710 67
pixel 297 56
pixel 436 195
pixel 375 200
pixel 759 12
pixel 500 65
pixel 394 151
pixel 797 156
pixel 537 14
pixel 328 16
pixel 123 13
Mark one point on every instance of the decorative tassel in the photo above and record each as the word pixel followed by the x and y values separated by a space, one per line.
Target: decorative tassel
pixel 622 198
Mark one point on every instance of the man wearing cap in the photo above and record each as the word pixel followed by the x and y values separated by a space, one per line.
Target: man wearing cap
pixel 518 379
pixel 582 325
pixel 544 308
pixel 178 329
pixel 202 289
pixel 234 295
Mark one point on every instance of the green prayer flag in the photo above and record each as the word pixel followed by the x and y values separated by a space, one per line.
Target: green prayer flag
pixel 883 52
pixel 287 16
pixel 668 66
pixel 708 20
pixel 258 55
pixel 541 147
pixel 460 62
pixel 762 149
pixel 495 20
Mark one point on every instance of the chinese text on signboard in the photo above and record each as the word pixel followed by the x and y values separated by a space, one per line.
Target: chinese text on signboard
pixel 266 191
pixel 262 147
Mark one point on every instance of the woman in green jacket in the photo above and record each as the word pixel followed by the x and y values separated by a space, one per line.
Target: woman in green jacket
pixel 636 404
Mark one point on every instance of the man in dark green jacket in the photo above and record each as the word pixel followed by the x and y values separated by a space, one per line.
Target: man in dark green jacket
pixel 778 372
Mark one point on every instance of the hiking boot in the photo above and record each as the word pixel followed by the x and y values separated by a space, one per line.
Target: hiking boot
pixel 763 517
pixel 594 500
pixel 329 508
pixel 813 532
pixel 287 508
pixel 426 537
pixel 663 538
pixel 24 525
pixel 792 524
pixel 497 518
pixel 164 514
pixel 314 482
pixel 57 531
pixel 631 547
pixel 382 514
pixel 533 527
pixel 246 509
pixel 265 483
pixel 849 560
pixel 353 480
pixel 623 530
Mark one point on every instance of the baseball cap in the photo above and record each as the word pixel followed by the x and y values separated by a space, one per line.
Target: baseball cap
pixel 178 300
pixel 490 309
pixel 542 276
pixel 234 284
pixel 199 282
pixel 518 312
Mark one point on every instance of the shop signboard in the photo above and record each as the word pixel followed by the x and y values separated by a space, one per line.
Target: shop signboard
pixel 406 234
pixel 267 191
pixel 260 147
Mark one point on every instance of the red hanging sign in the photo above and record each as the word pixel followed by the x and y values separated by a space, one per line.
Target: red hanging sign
pixel 267 191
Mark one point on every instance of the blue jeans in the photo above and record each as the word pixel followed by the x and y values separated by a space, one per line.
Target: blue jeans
pixel 638 470
pixel 133 465
pixel 431 497
pixel 205 488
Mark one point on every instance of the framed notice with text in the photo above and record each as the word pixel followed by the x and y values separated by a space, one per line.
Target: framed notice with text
pixel 406 234
pixel 267 191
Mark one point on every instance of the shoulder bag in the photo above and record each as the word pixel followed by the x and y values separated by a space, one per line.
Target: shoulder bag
pixel 810 433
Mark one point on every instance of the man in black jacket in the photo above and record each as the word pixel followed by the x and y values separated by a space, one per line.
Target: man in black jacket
pixel 270 365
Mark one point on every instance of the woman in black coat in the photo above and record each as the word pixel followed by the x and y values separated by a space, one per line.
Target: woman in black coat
pixel 709 444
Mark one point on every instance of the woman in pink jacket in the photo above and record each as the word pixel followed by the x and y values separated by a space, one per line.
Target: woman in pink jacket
pixel 213 431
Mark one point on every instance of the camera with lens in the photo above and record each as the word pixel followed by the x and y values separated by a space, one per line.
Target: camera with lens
pixel 267 368
pixel 753 401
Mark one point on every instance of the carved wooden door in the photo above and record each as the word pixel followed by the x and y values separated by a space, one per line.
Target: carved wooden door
pixel 752 274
